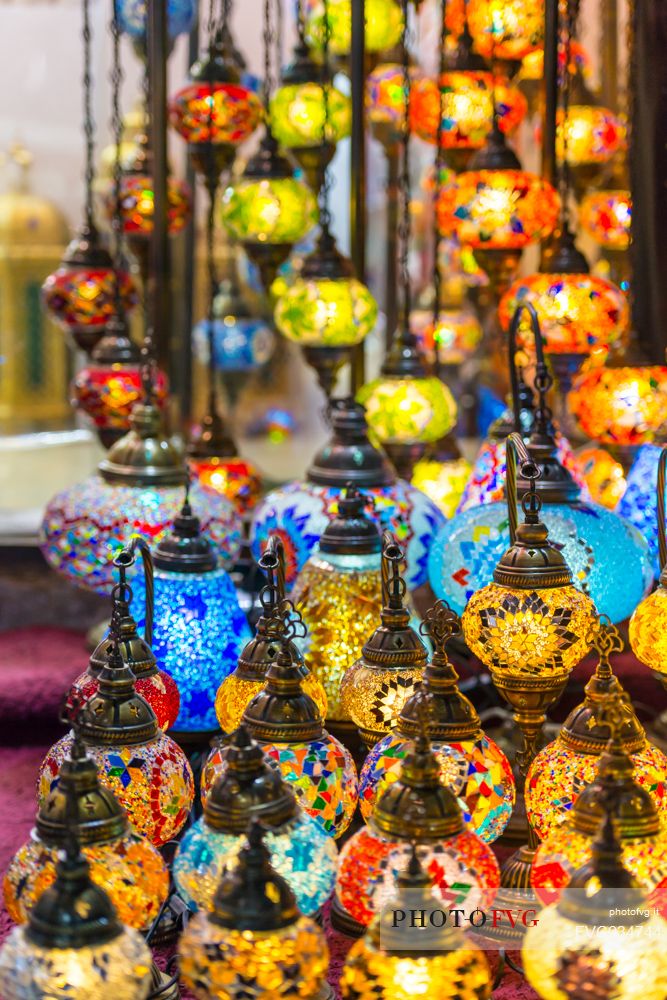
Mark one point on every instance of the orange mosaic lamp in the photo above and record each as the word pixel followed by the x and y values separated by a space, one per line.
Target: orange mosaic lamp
pixel 602 474
pixel 506 29
pixel 607 217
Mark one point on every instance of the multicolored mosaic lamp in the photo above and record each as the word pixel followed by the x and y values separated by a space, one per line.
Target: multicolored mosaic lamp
pixel 639 503
pixel 588 136
pixel 299 512
pixel 123 864
pixel 417 809
pixel 471 764
pixel 250 787
pixel 506 30
pixel 385 101
pixel 147 772
pixel 383 24
pixel 375 687
pixel 616 792
pixel 606 216
pixel 287 725
pixel 462 558
pixel 380 965
pixel 74 943
pixel 567 765
pixel 255 936
pixel 584 939
pixel 198 629
pixel 247 679
pixel 603 476
pixel 156 686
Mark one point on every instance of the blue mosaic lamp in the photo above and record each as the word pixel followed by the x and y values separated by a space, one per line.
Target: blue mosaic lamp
pixel 638 505
pixel 300 511
pixel 132 16
pixel 251 787
pixel 198 627
pixel 608 557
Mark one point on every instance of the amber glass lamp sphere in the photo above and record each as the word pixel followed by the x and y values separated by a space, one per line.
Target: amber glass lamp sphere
pixel 137 204
pixel 624 405
pixel 607 216
pixel 602 474
pixel 83 299
pixel 217 113
pixel 385 100
pixel 648 637
pixel 383 24
pixel 297 114
pixel 269 210
pixel 576 311
pixel 442 481
pixel 233 478
pixel 467 108
pixel 107 394
pixel 589 135
pixel 506 29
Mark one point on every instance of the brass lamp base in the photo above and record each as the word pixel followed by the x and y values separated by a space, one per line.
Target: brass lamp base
pixel 162 986
pixel 516 871
pixel 342 922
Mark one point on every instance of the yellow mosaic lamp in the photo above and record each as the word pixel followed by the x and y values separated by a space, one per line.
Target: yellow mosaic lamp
pixel 602 939
pixel 616 791
pixel 240 687
pixel 254 938
pixel 603 475
pixel 126 866
pixel 568 764
pixel 506 29
pixel 383 25
pixel 375 688
pixel 381 965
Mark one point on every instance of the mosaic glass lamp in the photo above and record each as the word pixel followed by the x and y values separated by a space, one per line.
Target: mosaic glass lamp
pixel 198 629
pixel 416 809
pixel 381 966
pixel 247 679
pixel 147 772
pixel 251 787
pixel 564 767
pixel 463 556
pixel 606 216
pixel 376 685
pixel 443 478
pixel 584 939
pixel 132 15
pixel 638 505
pixel 471 764
pixel 603 476
pixel 287 725
pixel 383 25
pixel 385 101
pixel 506 30
pixel 138 489
pixel 153 684
pixel 74 945
pixel 588 134
pixel 126 866
pixel 614 791
pixel 254 937
pixel 453 338
pixel 299 512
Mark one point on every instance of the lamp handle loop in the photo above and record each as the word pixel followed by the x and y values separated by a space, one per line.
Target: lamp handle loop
pixel 127 557
pixel 516 452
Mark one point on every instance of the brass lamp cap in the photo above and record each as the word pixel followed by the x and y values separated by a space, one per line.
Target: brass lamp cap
pixel 116 714
pixel 253 896
pixel 532 563
pixel 418 806
pixel 97 816
pixel 349 456
pixel 249 787
pixel 394 643
pixel 134 649
pixel 184 549
pixel 145 456
pixel 282 712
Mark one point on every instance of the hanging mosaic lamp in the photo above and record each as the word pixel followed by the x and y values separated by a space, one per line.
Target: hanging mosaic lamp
pixel 614 791
pixel 385 101
pixel 506 29
pixel 123 864
pixel 589 136
pixel 567 765
pixel 239 688
pixel 287 725
pixel 381 966
pixel 255 924
pixel 300 511
pixel 471 764
pixel 74 944
pixel 383 25
pixel 416 809
pixel 198 628
pixel 639 503
pixel 463 557
pixel 376 685
pixel 156 686
pixel 138 489
pixel 250 787
pixel 147 772
pixel 646 625
pixel 606 216
pixel 603 476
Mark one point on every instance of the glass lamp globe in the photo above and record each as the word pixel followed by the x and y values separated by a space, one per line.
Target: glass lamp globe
pixel 297 114
pixel 383 25
pixel 385 101
pixel 532 64
pixel 129 869
pixel 417 809
pixel 74 944
pixel 607 216
pixel 471 764
pixel 569 763
pixel 452 339
pixel 442 480
pixel 381 966
pixel 138 490
pixel 588 938
pixel 288 727
pixel 589 134
pixel 256 929
pixel 506 30
pixel 219 113
pixel 467 99
pixel 404 410
pixel 198 628
pixel 251 787
pixel 137 204
pixel 638 503
pixel 82 299
pixel 620 404
pixel 242 341
pixel 270 210
pixel 233 478
pixel 147 772
pixel 300 511
pixel 603 475
pixel 132 16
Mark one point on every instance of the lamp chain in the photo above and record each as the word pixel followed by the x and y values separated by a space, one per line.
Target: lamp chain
pixel 118 248
pixel 88 120
pixel 404 179
pixel 269 44
pixel 571 15
pixel 212 180
pixel 439 166
pixel 325 214
pixel 148 346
